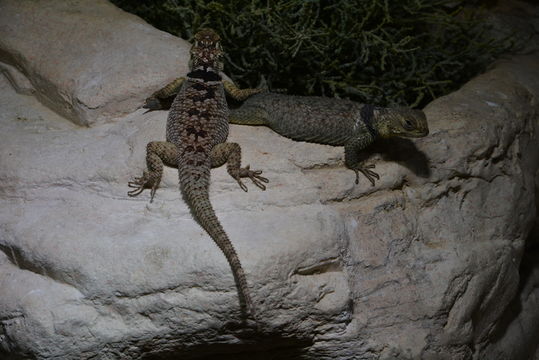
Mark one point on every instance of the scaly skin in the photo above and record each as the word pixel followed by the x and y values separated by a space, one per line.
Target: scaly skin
pixel 197 128
pixel 162 98
pixel 331 121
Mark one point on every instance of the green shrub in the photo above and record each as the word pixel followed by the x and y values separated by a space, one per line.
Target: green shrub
pixel 376 51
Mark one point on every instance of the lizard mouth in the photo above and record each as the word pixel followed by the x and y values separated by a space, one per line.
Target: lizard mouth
pixel 411 133
pixel 420 133
pixel 416 134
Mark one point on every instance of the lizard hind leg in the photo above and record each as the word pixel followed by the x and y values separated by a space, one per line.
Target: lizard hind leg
pixel 158 153
pixel 230 153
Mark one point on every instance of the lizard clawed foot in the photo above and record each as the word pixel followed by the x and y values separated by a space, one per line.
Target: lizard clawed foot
pixel 141 183
pixel 151 104
pixel 369 174
pixel 255 177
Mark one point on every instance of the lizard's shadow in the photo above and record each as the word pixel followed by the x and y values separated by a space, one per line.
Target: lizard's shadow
pixel 402 151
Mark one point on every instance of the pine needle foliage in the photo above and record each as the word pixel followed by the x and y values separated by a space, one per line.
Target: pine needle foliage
pixel 383 52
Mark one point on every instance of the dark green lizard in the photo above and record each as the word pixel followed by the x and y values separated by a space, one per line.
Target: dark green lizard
pixel 331 121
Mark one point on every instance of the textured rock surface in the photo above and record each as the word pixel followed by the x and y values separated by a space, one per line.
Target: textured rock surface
pixel 437 261
pixel 87 60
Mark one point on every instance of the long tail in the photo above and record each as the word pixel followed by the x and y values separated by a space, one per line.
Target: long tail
pixel 194 185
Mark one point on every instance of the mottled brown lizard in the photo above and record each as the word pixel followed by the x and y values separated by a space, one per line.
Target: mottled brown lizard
pixel 196 133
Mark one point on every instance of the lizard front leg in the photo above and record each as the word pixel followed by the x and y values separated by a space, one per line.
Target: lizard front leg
pixel 162 98
pixel 353 160
pixel 158 153
pixel 230 153
pixel 239 94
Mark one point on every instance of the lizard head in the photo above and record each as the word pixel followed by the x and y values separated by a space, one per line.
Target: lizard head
pixel 402 122
pixel 206 52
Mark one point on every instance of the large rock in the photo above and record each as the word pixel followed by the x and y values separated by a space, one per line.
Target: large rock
pixel 86 59
pixel 428 264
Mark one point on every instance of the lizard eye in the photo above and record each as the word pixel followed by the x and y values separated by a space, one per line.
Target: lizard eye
pixel 408 125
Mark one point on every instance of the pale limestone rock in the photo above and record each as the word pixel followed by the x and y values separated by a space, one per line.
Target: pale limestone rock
pixel 86 59
pixel 424 265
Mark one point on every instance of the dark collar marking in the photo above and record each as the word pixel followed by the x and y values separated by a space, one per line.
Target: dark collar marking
pixel 367 115
pixel 204 75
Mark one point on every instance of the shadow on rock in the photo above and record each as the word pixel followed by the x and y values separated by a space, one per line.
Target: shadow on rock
pixel 404 152
pixel 254 346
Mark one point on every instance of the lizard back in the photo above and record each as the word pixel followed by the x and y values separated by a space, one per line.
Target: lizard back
pixel 197 122
pixel 197 128
pixel 309 118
